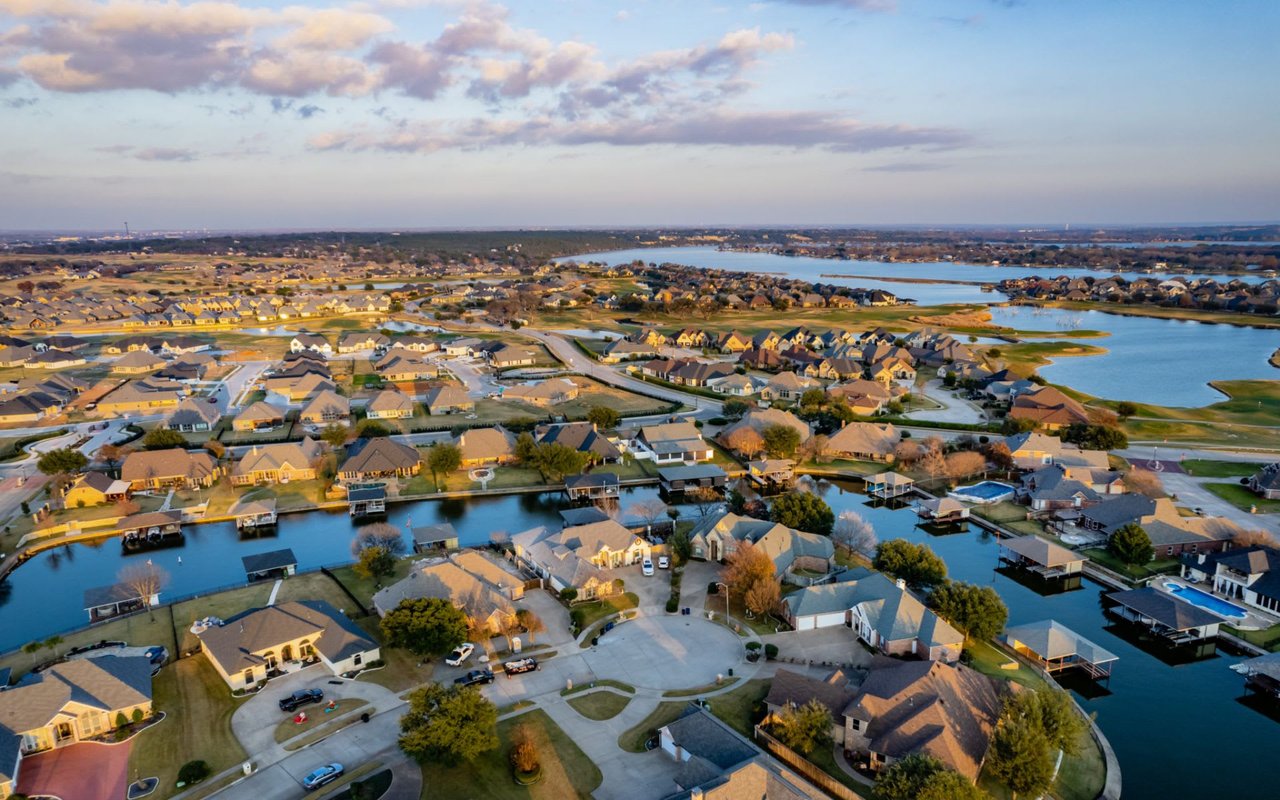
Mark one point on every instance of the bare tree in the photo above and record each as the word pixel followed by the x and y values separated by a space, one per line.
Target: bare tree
pixel 531 623
pixel 965 463
pixel 907 452
pixel 1254 538
pixel 145 580
pixel 1144 482
pixel 934 464
pixel 703 498
pixel 745 441
pixel 745 566
pixel 379 534
pixel 854 533
pixel 764 596
pixel 650 511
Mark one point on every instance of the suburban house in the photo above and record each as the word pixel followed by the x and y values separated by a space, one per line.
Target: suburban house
pixel 1266 482
pixel 194 416
pixel 625 349
pixel 1032 450
pixel 864 441
pixel 672 442
pixel 788 386
pixel 389 404
pixel 326 407
pixel 1171 533
pixel 511 355
pixel 581 436
pixel 149 395
pixel 378 458
pixel 94 489
pixel 1048 408
pixel 881 611
pixel 259 416
pixel 1056 487
pixel 543 393
pixel 155 469
pixel 313 342
pixel 758 419
pixel 399 366
pixel 355 342
pixel 448 400
pixel 792 551
pixel 137 362
pixel 579 557
pixel 946 711
pixel 297 388
pixel 484 603
pixel 73 701
pixel 1250 575
pixel 278 463
pixel 246 648
pixel 485 446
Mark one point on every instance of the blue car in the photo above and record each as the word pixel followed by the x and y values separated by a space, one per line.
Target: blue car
pixel 319 777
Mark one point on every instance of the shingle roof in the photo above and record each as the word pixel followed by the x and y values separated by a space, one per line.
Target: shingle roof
pixel 236 643
pixel 107 683
pixel 272 559
pixel 378 455
pixel 1164 608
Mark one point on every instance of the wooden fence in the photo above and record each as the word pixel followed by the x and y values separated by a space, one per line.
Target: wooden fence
pixel 805 767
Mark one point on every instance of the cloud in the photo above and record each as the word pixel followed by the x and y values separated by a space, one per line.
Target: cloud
pixel 165 154
pixel 20 102
pixel 308 111
pixel 906 166
pixel 789 130
pixel 860 5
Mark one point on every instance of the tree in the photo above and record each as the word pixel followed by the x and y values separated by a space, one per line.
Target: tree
pixel 735 407
pixel 681 547
pixel 976 611
pixel 442 459
pixel 335 434
pixel 950 785
pixel 1131 544
pixel 603 417
pixel 63 461
pixel 650 511
pixel 1254 538
pixel 907 452
pixel 704 498
pixel 965 463
pixel 763 597
pixel 113 454
pixel 999 455
pixel 1144 482
pixel 803 511
pixel 744 441
pixel 746 566
pixel 377 547
pixel 448 724
pixel 1054 713
pixel 531 623
pixel 144 580
pixel 813 398
pixel 1125 409
pixel 780 441
pixel 162 439
pixel 524 753
pixel 804 728
pixel 426 626
pixel 373 429
pixel 854 533
pixel 916 564
pixel 903 779
pixel 933 463
pixel 554 461
pixel 1095 437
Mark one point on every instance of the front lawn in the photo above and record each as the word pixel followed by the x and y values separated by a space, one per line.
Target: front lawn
pixel 591 612
pixel 1134 572
pixel 738 707
pixel 599 705
pixel 566 770
pixel 633 740
pixel 1207 468
pixel 761 625
pixel 1240 497
pixel 197 726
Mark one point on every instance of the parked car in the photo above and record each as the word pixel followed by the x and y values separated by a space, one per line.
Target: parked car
pixel 520 665
pixel 301 697
pixel 460 654
pixel 321 775
pixel 475 676
pixel 664 562
pixel 646 567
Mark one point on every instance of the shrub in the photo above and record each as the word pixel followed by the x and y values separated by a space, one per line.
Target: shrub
pixel 672 605
pixel 137 715
pixel 771 651
pixel 524 753
pixel 753 646
pixel 713 588
pixel 576 617
pixel 121 719
pixel 718 421
pixel 568 594
pixel 193 772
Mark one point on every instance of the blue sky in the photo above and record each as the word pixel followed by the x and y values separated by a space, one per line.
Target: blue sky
pixel 435 113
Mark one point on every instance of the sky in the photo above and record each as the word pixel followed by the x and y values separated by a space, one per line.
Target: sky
pixel 385 114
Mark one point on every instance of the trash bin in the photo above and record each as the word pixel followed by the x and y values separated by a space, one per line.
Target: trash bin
pixel 364 717
pixel 730 672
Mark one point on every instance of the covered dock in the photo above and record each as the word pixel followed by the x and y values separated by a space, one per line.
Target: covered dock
pixel 593 486
pixel 888 485
pixel 366 500
pixel 272 564
pixel 693 476
pixel 1261 675
pixel 434 537
pixel 254 514
pixel 105 602
pixel 1056 648
pixel 772 474
pixel 943 510
pixel 1046 559
pixel 1164 615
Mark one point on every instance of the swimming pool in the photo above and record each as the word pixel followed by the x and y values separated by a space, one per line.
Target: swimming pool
pixel 1206 601
pixel 985 492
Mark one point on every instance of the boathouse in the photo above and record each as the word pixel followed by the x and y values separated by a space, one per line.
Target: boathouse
pixel 1055 648
pixel 1044 558
pixel 888 485
pixel 272 564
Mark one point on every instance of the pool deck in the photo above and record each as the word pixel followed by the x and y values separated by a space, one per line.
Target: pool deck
pixel 1253 619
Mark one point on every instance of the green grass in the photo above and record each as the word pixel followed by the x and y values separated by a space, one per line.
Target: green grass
pixel 288 729
pixel 364 588
pixel 582 687
pixel 1134 572
pixel 738 707
pixel 198 706
pixel 1002 513
pixel 596 610
pixel 599 705
pixel 400 671
pixel 376 784
pixel 1206 468
pixel 1240 497
pixel 566 770
pixel 633 740
pixel 761 625
pixel 1267 638
pixel 697 690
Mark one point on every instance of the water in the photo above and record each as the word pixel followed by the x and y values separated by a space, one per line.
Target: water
pixel 986 490
pixel 1149 710
pixel 812 269
pixel 1152 706
pixel 1166 362
pixel 1207 601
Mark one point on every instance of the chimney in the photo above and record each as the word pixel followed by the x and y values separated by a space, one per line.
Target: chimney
pixel 901 584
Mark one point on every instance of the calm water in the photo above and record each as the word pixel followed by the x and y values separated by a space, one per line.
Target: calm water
pixel 1162 361
pixel 812 269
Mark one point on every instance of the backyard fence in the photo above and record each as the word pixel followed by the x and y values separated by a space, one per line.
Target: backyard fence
pixel 805 767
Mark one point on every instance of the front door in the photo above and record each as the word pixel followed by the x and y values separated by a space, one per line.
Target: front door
pixel 286 653
pixel 64 732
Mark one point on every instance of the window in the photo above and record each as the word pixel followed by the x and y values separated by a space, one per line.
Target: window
pixel 357 659
pixel 856 724
pixel 248 677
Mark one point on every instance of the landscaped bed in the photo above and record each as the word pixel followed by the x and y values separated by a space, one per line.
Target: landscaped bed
pixel 316 717
pixel 599 705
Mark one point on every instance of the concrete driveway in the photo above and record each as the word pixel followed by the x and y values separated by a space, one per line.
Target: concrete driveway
pixel 85 771
pixel 666 652
pixel 835 645
pixel 1192 493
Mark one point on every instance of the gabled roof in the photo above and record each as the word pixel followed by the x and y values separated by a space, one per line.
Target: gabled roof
pixel 107 683
pixel 238 642
pixel 1164 608
pixel 378 455
pixel 273 559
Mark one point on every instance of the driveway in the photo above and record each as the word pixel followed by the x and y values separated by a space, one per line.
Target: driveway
pixel 1192 493
pixel 954 409
pixel 835 645
pixel 664 651
pixel 85 771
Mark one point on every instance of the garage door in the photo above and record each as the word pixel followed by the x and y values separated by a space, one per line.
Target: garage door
pixel 830 620
pixel 804 623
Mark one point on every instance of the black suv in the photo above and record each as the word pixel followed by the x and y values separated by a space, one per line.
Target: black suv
pixel 301 697
pixel 475 676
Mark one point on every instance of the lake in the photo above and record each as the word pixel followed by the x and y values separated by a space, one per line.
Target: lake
pixel 1151 708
